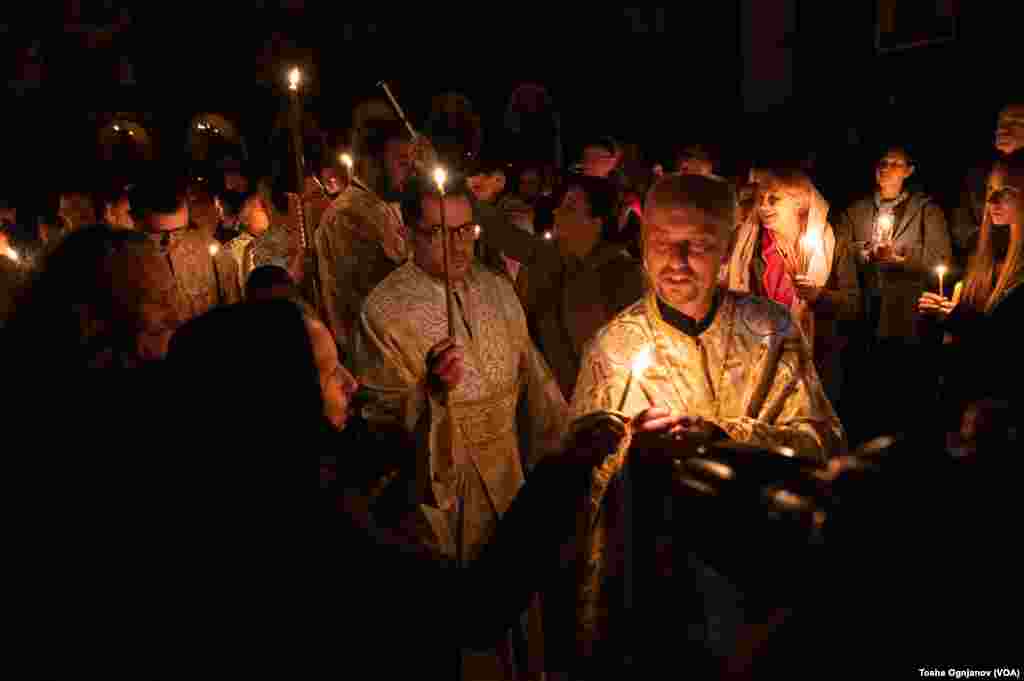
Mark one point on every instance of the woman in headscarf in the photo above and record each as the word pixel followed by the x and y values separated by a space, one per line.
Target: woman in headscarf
pixel 985 318
pixel 788 252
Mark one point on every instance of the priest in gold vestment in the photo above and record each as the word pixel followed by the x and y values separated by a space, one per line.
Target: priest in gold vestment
pixel 723 365
pixel 489 370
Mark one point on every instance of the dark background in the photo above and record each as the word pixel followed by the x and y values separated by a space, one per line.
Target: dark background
pixel 761 78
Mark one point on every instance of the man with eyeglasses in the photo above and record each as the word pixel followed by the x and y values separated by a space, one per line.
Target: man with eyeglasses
pixel 206 277
pixel 489 379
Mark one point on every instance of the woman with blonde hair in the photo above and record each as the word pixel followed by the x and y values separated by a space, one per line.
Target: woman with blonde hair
pixel 984 319
pixel 788 252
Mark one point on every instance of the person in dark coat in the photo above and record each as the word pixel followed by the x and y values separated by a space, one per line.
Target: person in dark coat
pixel 984 319
pixel 899 237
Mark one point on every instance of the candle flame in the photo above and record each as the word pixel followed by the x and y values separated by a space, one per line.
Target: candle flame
pixel 477 230
pixel 547 235
pixel 214 249
pixel 347 160
pixel 13 255
pixel 811 242
pixel 941 270
pixel 642 361
pixel 293 78
pixel 117 128
pixel 440 177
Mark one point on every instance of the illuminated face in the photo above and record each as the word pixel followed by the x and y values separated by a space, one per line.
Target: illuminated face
pixel 1004 201
pixel 1010 129
pixel 892 170
pixel 598 161
pixel 428 243
pixel 683 252
pixel 254 216
pixel 779 209
pixel 332 183
pixel 119 214
pixel 693 162
pixel 167 222
pixel 486 187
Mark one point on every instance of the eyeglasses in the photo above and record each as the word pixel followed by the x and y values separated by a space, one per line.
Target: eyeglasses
pixel 1004 194
pixel 467 232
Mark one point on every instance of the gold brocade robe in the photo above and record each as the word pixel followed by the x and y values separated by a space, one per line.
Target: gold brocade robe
pixel 750 373
pixel 204 281
pixel 402 319
pixel 361 240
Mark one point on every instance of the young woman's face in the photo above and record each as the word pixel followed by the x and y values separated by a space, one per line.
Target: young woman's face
pixel 1004 200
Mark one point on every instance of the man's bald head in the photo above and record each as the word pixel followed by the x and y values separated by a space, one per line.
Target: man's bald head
pixel 714 197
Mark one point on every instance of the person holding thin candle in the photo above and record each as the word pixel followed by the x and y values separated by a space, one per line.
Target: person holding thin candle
pixel 895 268
pixel 984 321
pixel 724 365
pixel 789 253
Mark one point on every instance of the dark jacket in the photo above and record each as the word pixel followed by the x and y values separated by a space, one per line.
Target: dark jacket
pixel 566 302
pixel 891 291
pixel 984 353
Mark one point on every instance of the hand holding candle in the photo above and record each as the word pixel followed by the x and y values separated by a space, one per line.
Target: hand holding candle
pixel 941 271
pixel 640 364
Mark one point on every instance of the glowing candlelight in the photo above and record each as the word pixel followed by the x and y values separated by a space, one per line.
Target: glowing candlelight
pixel 547 236
pixel 941 271
pixel 640 364
pixel 346 160
pixel 440 177
pixel 810 245
pixel 214 249
pixel 117 128
pixel 13 254
pixel 884 228
pixel 293 79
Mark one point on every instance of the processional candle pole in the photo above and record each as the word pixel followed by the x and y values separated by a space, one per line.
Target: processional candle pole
pixel 398 109
pixel 440 177
pixel 294 78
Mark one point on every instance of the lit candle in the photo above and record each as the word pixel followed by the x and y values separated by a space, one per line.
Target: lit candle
pixel 548 236
pixel 810 245
pixel 214 250
pixel 884 228
pixel 440 177
pixel 640 364
pixel 13 254
pixel 941 271
pixel 294 76
pixel 346 160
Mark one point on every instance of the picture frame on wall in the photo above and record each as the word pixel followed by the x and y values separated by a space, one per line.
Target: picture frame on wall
pixel 908 24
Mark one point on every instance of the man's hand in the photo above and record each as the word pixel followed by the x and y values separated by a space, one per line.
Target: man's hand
pixel 805 288
pixel 446 364
pixel 934 304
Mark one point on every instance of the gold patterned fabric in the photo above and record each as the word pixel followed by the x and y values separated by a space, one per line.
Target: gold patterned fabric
pixel 750 373
pixel 360 241
pixel 402 319
pixel 204 281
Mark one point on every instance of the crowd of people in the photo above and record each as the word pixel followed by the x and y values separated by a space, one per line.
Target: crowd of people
pixel 492 348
